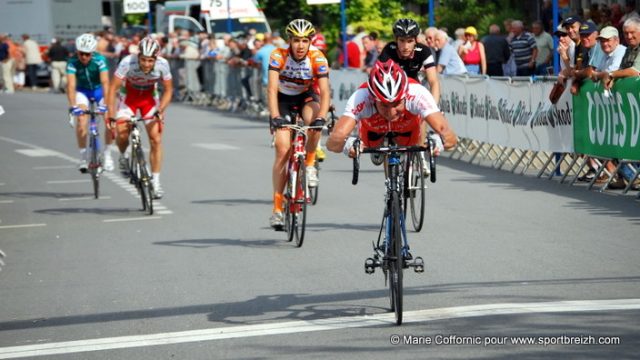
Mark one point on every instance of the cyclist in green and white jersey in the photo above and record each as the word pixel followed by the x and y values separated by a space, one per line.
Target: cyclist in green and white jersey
pixel 87 77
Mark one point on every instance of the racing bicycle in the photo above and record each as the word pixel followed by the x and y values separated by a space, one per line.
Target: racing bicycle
pixel 297 194
pixel 138 172
pixel 391 251
pixel 414 190
pixel 94 166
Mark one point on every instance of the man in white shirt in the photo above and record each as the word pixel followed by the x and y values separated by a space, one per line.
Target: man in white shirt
pixel 611 55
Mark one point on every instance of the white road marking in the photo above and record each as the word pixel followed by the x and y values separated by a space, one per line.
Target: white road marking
pixel 85 198
pixel 215 146
pixel 164 212
pixel 54 167
pixel 113 176
pixel 6 201
pixel 37 152
pixel 2 184
pixel 133 219
pixel 21 226
pixel 75 181
pixel 295 327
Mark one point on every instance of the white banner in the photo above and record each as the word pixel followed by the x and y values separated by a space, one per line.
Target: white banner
pixel 219 9
pixel 343 84
pixel 135 6
pixel 517 114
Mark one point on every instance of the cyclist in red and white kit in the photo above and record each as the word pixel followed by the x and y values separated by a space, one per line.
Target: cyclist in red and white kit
pixel 136 79
pixel 390 102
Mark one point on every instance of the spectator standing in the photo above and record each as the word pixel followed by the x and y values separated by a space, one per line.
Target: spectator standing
pixel 472 52
pixel 449 62
pixel 523 47
pixel 371 53
pixel 33 59
pixel 544 44
pixel 58 56
pixel 430 38
pixel 629 67
pixel 262 59
pixel 629 11
pixel 16 51
pixel 354 57
pixel 497 51
pixel 460 38
pixel 546 16
pixel 566 48
pixel 6 64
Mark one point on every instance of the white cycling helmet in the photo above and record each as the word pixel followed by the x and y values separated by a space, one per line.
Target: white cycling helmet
pixel 149 47
pixel 86 43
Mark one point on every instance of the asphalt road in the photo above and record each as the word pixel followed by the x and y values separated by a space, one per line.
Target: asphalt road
pixel 507 256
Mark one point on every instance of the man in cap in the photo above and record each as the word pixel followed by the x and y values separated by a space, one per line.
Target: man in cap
pixel 611 55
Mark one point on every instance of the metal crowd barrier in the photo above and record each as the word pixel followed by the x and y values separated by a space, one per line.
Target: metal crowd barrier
pixel 210 82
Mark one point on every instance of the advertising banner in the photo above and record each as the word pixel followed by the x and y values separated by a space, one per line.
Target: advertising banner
pixel 608 124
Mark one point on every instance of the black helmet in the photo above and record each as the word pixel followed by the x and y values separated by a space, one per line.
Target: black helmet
pixel 406 28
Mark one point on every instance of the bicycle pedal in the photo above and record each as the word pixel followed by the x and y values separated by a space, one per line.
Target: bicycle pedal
pixel 417 264
pixel 370 265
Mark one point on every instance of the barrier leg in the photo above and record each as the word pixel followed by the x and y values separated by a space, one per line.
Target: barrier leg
pixel 515 166
pixel 575 178
pixel 601 167
pixel 571 165
pixel 545 166
pixel 500 165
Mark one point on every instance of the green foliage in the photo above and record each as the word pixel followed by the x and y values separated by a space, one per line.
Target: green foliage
pixel 135 19
pixel 454 14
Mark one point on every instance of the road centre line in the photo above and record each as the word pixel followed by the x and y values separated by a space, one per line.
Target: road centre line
pixel 117 179
pixel 75 181
pixel 133 219
pixel 21 226
pixel 85 198
pixel 294 327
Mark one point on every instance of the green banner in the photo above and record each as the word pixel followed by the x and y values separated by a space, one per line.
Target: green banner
pixel 608 124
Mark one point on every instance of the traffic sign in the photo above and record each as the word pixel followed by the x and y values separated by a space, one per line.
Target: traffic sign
pixel 136 6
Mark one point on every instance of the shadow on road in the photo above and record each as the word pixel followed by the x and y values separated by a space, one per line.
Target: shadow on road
pixel 289 307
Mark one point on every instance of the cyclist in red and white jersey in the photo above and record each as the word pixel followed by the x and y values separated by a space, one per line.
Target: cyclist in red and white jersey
pixel 390 102
pixel 136 79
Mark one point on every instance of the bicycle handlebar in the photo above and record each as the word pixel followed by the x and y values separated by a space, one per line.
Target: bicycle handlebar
pixel 394 149
pixel 300 127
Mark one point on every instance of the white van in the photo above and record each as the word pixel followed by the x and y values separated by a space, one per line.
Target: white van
pixel 189 15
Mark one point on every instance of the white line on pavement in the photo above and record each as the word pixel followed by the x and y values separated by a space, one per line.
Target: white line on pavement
pixel 68 181
pixel 294 327
pixel 85 198
pixel 133 219
pixel 6 201
pixel 54 167
pixel 21 226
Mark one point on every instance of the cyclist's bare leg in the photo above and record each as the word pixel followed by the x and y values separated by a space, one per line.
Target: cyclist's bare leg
pixel 81 128
pixel 155 140
pixel 282 149
pixel 122 135
pixel 309 113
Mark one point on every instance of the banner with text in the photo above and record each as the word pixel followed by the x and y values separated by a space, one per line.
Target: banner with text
pixel 512 114
pixel 608 125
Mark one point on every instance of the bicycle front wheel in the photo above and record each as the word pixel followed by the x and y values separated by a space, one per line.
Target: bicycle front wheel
pixel 313 191
pixel 145 188
pixel 416 192
pixel 301 202
pixel 396 259
pixel 94 165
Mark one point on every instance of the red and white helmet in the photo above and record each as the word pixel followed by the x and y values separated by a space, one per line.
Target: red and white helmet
pixel 387 82
pixel 149 47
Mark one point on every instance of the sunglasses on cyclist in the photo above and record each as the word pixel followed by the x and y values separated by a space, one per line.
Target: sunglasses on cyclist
pixel 84 54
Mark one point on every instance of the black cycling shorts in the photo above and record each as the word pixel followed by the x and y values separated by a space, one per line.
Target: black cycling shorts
pixel 290 103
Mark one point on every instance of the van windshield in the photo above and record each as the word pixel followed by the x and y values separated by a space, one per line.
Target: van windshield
pixel 239 26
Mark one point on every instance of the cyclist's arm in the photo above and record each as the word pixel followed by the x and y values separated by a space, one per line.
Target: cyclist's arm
pixel 340 133
pixel 104 80
pixel 434 83
pixel 272 93
pixel 325 96
pixel 165 100
pixel 114 86
pixel 71 89
pixel 441 126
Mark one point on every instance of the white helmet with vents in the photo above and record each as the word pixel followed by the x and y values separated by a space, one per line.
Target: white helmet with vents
pixel 86 43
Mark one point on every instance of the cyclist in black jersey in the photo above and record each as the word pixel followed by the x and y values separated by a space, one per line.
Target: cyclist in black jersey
pixel 412 57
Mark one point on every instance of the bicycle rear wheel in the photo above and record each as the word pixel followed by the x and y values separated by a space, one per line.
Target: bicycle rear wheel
pixel 396 260
pixel 94 165
pixel 290 220
pixel 416 192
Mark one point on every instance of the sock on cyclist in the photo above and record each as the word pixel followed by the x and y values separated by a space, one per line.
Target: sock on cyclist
pixel 83 153
pixel 156 177
pixel 277 202
pixel 310 159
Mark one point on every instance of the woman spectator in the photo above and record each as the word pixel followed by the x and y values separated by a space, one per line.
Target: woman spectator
pixel 472 52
